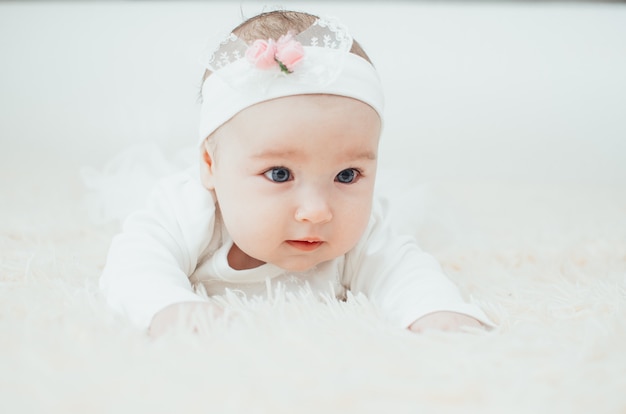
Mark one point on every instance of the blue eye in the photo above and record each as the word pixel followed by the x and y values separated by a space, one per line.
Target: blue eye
pixel 347 176
pixel 278 175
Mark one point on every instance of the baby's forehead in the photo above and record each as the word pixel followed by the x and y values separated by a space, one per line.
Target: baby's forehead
pixel 314 105
pixel 273 122
pixel 302 136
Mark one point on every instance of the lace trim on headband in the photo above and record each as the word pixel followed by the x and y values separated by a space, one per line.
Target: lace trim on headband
pixel 324 33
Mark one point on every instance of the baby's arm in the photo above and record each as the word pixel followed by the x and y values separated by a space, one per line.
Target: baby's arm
pixel 188 316
pixel 149 262
pixel 407 285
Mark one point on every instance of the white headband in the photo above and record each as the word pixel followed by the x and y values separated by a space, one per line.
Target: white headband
pixel 316 61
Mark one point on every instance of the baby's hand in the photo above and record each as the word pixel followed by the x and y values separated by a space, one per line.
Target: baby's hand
pixel 188 316
pixel 444 321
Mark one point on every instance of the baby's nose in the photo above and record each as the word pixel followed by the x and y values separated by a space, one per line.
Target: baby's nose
pixel 314 208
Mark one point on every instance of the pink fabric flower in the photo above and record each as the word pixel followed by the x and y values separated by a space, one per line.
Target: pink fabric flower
pixel 262 54
pixel 284 53
pixel 288 52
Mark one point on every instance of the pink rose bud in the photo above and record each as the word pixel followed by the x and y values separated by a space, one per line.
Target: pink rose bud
pixel 289 52
pixel 262 54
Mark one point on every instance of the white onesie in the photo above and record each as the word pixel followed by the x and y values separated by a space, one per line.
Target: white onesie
pixel 178 245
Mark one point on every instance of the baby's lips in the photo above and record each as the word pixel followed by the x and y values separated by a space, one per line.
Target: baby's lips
pixel 305 244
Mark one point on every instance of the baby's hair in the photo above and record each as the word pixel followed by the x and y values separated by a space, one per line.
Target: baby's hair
pixel 274 24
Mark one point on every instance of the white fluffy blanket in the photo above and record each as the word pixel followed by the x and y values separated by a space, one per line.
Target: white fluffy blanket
pixel 512 115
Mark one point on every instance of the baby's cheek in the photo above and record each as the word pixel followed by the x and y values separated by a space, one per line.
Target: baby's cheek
pixel 250 225
pixel 356 226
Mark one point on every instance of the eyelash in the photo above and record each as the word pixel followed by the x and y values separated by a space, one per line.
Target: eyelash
pixel 271 175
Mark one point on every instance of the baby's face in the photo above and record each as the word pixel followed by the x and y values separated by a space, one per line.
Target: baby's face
pixel 294 179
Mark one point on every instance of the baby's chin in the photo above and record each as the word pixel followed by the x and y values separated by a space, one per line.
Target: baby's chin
pixel 303 264
pixel 300 266
pixel 297 268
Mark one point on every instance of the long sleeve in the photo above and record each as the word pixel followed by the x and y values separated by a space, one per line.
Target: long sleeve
pixel 403 281
pixel 149 262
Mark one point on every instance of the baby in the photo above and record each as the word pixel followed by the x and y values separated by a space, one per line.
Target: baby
pixel 284 196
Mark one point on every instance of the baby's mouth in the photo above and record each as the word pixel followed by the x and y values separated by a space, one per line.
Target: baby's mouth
pixel 305 245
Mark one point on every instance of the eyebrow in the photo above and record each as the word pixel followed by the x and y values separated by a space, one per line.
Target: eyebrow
pixel 286 153
pixel 274 153
pixel 367 155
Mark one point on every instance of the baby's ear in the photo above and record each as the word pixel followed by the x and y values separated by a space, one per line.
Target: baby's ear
pixel 206 168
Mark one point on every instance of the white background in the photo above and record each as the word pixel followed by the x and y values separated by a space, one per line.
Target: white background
pixel 509 91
